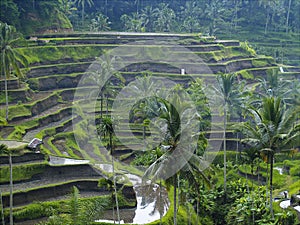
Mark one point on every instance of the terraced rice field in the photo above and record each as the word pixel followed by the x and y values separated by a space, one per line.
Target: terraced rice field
pixel 42 105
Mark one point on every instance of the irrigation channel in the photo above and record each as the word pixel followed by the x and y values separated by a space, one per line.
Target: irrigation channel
pixel 152 201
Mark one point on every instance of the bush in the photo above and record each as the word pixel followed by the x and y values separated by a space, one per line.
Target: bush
pixel 36 210
pixel 295 170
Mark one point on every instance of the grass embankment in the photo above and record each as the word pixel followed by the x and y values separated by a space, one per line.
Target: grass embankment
pixel 22 172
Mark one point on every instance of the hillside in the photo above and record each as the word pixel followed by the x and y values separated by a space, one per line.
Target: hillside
pixel 52 102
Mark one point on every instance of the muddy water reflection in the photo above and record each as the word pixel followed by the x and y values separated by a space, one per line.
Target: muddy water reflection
pixel 152 203
pixel 152 200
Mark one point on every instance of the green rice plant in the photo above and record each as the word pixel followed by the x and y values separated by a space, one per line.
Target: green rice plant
pixel 22 172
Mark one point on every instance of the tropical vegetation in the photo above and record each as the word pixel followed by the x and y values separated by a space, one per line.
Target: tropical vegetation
pixel 252 100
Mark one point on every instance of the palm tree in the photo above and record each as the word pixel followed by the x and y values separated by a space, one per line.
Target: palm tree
pixel 148 17
pixel 102 77
pixel 100 23
pixel 274 86
pixel 106 128
pixel 9 57
pixel 165 18
pixel 147 107
pixel 133 22
pixel 226 90
pixel 109 90
pixel 4 150
pixel 82 4
pixel 179 141
pixel 190 17
pixel 272 130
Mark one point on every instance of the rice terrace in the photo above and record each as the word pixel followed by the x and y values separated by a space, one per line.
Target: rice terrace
pixel 150 112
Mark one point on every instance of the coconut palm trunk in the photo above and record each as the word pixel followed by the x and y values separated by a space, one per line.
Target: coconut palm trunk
pixel 114 178
pixel 10 190
pixel 224 146
pixel 271 184
pixel 288 17
pixel 6 98
pixel 2 211
pixel 160 202
pixel 106 128
pixel 175 200
pixel 101 106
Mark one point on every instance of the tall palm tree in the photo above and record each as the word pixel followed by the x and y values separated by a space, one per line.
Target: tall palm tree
pixel 9 57
pixel 147 107
pixel 106 128
pixel 4 150
pixel 179 141
pixel 82 4
pixel 148 16
pixel 165 18
pixel 102 77
pixel 272 130
pixel 274 86
pixel 226 90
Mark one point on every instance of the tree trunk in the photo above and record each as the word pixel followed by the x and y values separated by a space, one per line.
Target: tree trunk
pixel 144 136
pixel 235 15
pixel 175 199
pixel 2 211
pixel 190 214
pixel 197 210
pixel 271 185
pixel 101 106
pixel 114 177
pixel 267 21
pixel 6 98
pixel 10 190
pixel 106 104
pixel 224 147
pixel 247 186
pixel 267 181
pixel 82 15
pixel 288 17
pixel 160 202
pixel 106 8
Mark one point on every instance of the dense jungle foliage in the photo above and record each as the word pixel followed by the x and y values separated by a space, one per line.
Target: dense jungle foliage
pixel 206 16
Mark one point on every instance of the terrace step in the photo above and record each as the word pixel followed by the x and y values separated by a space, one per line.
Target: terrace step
pixel 55 189
pixel 12 83
pixel 33 109
pixel 67 68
